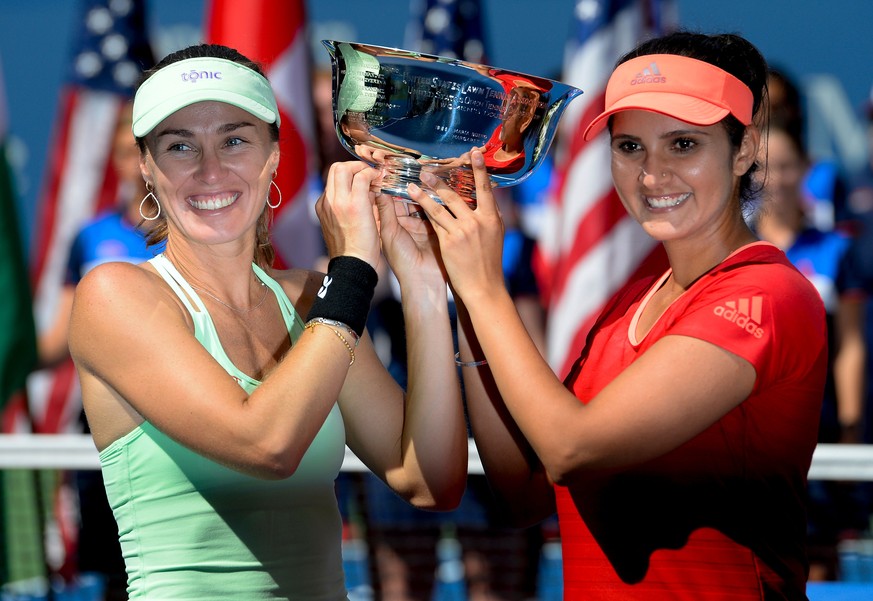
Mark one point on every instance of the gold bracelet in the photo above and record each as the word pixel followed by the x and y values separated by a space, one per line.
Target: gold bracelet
pixel 336 324
pixel 460 363
pixel 311 326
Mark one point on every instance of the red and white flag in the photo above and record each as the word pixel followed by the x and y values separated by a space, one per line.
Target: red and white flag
pixel 589 247
pixel 109 53
pixel 273 33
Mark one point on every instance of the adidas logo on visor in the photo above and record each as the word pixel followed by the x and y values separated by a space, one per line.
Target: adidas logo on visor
pixel 745 313
pixel 650 74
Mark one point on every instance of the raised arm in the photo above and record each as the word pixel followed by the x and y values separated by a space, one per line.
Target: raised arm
pixel 514 472
pixel 650 408
pixel 132 342
pixel 132 339
pixel 417 441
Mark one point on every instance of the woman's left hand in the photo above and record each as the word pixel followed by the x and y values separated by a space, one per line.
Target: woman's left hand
pixel 470 240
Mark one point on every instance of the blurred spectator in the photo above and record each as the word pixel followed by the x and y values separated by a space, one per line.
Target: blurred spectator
pixel 860 206
pixel 824 185
pixel 115 235
pixel 824 258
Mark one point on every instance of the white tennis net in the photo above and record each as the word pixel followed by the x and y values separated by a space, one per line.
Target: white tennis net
pixel 77 452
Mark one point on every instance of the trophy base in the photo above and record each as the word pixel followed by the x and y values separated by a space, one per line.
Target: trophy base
pixel 400 171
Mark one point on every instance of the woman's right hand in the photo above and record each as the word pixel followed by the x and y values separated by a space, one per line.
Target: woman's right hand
pixel 470 239
pixel 346 210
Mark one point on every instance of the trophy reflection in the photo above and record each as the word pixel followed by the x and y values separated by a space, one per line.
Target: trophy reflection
pixel 406 112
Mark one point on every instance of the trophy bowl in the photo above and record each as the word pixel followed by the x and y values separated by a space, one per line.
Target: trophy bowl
pixel 407 112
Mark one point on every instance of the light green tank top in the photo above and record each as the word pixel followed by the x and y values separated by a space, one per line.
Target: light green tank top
pixel 191 528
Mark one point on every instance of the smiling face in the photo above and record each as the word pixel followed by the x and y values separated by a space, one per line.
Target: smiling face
pixel 678 180
pixel 211 164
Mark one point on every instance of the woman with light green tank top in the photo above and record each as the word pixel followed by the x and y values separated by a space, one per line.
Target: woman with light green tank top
pixel 212 511
pixel 222 415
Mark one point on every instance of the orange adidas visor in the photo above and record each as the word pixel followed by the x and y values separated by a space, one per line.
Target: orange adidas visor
pixel 677 86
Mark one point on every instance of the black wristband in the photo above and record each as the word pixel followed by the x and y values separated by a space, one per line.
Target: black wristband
pixel 345 293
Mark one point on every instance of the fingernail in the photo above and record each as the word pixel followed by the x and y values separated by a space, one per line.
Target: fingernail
pixel 478 158
pixel 412 188
pixel 428 178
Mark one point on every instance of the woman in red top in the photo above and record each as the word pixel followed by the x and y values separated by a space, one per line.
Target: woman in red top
pixel 676 451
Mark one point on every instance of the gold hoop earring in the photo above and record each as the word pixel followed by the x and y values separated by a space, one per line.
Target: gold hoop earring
pixel 154 200
pixel 274 206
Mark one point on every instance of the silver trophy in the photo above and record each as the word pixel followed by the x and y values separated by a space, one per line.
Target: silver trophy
pixel 407 112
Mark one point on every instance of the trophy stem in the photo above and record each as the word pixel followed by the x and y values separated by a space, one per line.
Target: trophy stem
pixel 399 172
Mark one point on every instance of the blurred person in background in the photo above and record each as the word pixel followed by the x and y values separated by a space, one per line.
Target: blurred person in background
pixel 782 218
pixel 118 234
pixel 824 183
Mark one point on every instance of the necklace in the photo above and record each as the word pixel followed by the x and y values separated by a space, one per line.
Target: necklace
pixel 231 307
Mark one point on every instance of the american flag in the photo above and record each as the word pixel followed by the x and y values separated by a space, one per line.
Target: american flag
pixel 450 28
pixel 273 33
pixel 589 247
pixel 110 51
